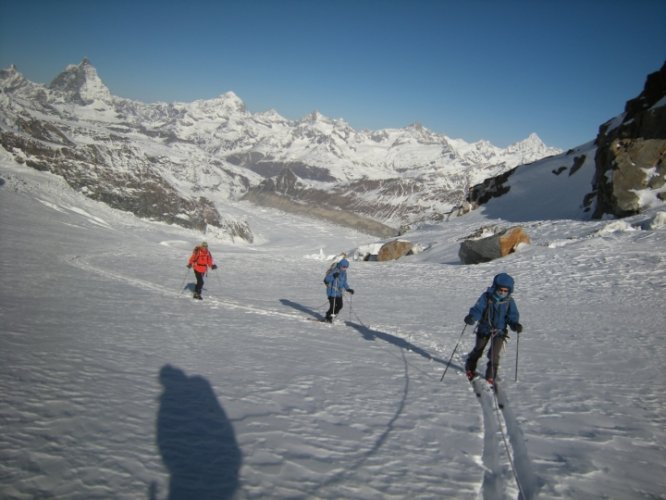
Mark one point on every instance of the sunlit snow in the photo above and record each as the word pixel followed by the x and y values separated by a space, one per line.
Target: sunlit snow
pixel 117 384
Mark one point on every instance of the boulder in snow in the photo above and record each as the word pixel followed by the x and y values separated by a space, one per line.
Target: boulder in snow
pixel 500 244
pixel 394 250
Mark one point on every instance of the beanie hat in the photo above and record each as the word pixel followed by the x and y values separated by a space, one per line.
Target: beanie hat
pixel 204 244
pixel 343 263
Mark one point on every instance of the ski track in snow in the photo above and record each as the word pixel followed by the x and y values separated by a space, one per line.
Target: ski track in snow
pixel 496 473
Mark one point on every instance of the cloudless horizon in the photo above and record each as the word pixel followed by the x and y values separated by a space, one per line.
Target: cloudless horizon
pixel 472 70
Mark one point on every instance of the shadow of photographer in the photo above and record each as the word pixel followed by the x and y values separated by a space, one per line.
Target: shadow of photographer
pixel 196 439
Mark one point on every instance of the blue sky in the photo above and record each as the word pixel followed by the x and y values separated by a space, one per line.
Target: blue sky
pixel 471 69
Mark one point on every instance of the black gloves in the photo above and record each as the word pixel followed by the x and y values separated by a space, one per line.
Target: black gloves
pixel 517 328
pixel 469 319
pixel 214 266
pixel 336 274
pixel 189 266
pixel 350 290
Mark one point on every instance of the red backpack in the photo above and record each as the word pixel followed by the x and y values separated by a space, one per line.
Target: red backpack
pixel 201 255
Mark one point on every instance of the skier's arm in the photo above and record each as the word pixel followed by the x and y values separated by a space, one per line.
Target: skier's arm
pixel 513 316
pixel 476 311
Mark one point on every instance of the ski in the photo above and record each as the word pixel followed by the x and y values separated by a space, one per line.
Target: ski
pixel 479 384
pixel 324 321
pixel 475 387
pixel 495 389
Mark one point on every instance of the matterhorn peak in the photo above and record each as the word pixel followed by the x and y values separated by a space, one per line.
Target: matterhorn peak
pixel 81 84
pixel 11 79
pixel 12 70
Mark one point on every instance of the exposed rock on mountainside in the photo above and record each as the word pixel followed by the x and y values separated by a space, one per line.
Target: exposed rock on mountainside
pixel 486 247
pixel 631 153
pixel 179 162
pixel 142 190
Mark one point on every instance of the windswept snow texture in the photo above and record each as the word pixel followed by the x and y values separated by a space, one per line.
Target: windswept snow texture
pixel 116 384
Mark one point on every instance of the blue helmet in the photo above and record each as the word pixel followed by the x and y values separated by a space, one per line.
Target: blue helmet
pixel 343 263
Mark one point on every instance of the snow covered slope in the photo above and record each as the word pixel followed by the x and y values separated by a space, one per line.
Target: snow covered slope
pixel 116 384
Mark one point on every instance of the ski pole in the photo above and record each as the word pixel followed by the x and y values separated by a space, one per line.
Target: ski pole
pixel 454 351
pixel 515 378
pixel 182 285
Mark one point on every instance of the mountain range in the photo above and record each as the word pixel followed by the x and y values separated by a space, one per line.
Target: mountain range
pixel 191 163
pixel 180 162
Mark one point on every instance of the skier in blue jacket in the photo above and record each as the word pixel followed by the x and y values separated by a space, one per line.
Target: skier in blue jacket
pixel 336 284
pixel 495 311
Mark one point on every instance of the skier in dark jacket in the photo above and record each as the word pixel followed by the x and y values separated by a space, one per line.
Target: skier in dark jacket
pixel 336 284
pixel 495 311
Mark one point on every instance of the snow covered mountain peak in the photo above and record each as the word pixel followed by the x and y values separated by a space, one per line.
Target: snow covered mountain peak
pixel 11 79
pixel 80 83
pixel 221 107
pixel 533 143
pixel 228 101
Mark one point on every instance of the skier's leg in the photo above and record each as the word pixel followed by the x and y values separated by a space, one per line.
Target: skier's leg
pixel 338 305
pixel 475 354
pixel 331 308
pixel 200 282
pixel 496 344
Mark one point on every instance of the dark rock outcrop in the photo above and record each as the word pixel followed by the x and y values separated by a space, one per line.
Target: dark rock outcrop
pixel 631 153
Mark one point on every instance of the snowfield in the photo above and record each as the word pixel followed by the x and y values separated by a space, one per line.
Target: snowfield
pixel 116 384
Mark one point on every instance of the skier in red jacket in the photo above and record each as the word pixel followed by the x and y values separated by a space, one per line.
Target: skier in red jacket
pixel 201 260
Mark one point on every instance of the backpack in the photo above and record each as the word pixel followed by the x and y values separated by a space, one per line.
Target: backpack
pixel 332 267
pixel 197 254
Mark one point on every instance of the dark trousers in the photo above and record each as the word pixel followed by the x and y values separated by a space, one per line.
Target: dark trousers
pixel 493 354
pixel 200 282
pixel 334 306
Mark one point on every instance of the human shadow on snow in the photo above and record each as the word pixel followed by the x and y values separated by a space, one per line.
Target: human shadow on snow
pixel 196 439
pixel 370 335
pixel 300 307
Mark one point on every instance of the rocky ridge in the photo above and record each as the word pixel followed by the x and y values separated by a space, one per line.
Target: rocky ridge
pixel 623 169
pixel 631 153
